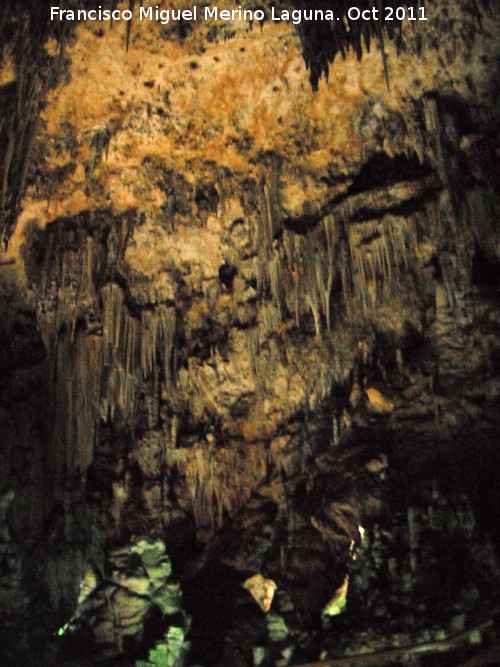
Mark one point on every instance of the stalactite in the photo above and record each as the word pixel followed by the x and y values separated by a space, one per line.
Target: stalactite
pixel 158 335
pixel 221 479
pixel 87 383
pixel 112 324
pixel 379 250
pixel 264 208
pixel 152 400
pixel 253 353
pixel 23 30
pixel 126 341
pixel 322 40
pixel 307 272
pixel 277 280
pixel 331 244
pixel 368 257
pixel 149 342
pixel 132 336
pixel 312 281
pixel 432 122
pixel 454 233
pixel 291 277
pixel 298 269
pixel 364 259
pixel 168 322
pixel 100 353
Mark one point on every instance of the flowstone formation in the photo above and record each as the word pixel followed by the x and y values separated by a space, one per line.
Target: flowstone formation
pixel 250 343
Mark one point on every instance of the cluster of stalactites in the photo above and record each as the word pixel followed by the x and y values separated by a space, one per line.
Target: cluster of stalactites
pixel 24 30
pixel 301 272
pixel 354 254
pixel 377 264
pixel 102 355
pixel 220 480
pixel 322 41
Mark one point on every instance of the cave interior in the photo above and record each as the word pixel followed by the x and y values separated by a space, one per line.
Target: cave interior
pixel 249 336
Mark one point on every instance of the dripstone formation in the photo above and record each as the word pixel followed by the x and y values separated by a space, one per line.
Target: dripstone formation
pixel 249 328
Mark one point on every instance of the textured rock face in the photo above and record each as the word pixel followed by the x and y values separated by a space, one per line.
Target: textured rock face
pixel 242 318
pixel 118 613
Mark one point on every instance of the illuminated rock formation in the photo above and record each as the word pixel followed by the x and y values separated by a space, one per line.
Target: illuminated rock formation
pixel 240 318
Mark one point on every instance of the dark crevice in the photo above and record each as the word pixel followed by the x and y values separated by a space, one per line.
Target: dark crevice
pixel 383 171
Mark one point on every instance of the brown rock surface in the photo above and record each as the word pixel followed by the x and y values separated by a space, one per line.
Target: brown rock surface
pixel 227 296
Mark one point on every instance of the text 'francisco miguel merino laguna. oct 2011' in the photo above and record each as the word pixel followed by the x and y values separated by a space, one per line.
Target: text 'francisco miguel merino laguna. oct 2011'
pixel 213 13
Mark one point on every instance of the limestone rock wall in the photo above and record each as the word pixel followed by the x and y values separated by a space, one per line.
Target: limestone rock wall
pixel 239 316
